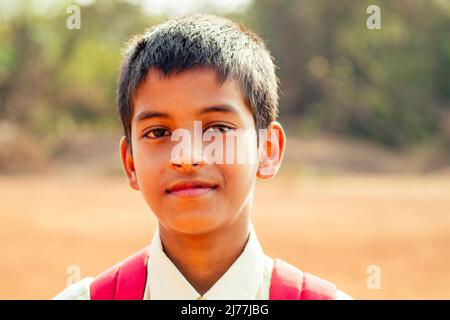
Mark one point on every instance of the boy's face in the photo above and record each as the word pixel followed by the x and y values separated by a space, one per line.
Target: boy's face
pixel 223 192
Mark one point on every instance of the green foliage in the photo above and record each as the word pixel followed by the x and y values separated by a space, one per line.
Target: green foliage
pixel 389 85
pixel 54 79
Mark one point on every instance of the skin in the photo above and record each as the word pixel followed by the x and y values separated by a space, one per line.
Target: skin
pixel 201 235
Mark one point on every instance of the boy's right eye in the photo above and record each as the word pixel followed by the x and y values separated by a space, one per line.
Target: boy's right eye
pixel 157 133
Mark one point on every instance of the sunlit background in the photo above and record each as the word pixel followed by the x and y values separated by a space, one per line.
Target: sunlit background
pixel 365 184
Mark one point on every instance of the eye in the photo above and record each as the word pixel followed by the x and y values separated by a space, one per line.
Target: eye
pixel 157 133
pixel 220 127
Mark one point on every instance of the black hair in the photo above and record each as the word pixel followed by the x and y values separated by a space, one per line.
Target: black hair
pixel 199 40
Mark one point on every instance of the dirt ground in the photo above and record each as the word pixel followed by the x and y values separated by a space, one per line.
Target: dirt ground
pixel 333 226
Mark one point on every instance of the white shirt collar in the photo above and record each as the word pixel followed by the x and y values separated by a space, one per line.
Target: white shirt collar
pixel 241 281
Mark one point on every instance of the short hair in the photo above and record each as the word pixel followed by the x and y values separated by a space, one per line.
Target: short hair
pixel 200 40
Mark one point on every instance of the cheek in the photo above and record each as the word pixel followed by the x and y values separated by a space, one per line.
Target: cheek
pixel 149 165
pixel 148 171
pixel 239 180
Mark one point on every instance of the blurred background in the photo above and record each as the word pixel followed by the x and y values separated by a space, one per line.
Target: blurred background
pixel 365 184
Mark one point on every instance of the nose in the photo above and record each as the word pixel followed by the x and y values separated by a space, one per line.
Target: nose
pixel 189 160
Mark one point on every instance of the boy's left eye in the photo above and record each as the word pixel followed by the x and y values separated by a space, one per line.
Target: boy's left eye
pixel 220 127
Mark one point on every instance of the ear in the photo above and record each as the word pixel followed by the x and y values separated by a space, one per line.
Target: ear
pixel 128 164
pixel 272 145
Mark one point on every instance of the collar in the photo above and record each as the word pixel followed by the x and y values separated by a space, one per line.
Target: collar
pixel 240 282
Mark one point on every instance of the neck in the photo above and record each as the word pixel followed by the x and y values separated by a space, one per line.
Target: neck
pixel 203 259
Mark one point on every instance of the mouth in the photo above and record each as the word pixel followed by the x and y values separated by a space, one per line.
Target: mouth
pixel 192 188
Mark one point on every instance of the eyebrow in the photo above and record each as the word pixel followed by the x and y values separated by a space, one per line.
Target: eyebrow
pixel 224 108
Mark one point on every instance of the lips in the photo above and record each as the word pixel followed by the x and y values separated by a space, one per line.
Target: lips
pixel 191 188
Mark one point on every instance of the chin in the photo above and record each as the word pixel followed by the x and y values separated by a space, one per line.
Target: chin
pixel 195 224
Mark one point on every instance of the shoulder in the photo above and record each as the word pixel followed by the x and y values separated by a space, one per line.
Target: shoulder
pixel 311 282
pixel 77 291
pixel 340 295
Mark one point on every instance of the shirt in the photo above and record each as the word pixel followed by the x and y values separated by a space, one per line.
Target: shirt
pixel 248 278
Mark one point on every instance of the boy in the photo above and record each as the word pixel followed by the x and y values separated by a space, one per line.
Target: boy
pixel 208 74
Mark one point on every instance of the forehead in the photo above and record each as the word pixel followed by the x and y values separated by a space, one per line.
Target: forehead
pixel 184 94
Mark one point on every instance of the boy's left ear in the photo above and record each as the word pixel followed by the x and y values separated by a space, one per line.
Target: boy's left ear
pixel 271 150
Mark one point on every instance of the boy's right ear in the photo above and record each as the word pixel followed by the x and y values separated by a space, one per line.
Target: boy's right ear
pixel 128 164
